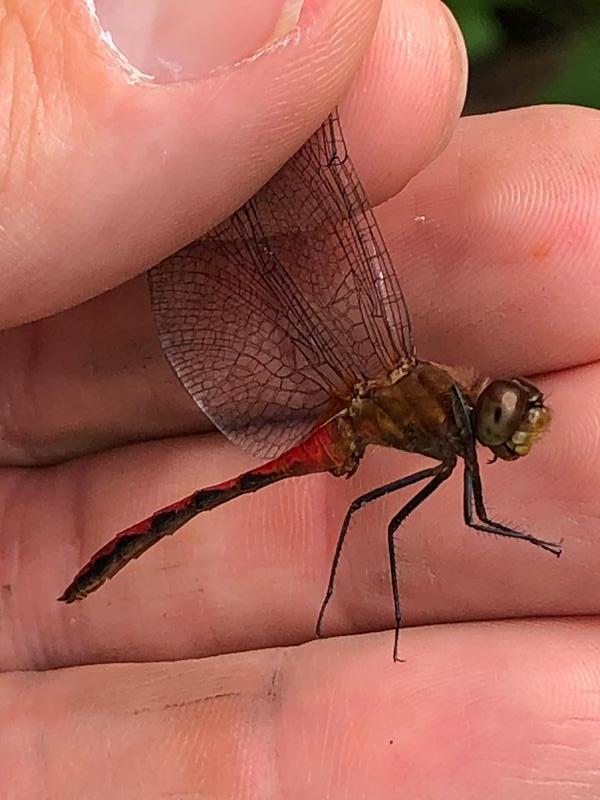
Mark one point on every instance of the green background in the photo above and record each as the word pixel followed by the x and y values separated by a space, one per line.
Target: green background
pixel 531 51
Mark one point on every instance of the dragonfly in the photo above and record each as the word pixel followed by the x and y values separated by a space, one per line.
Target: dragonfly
pixel 288 327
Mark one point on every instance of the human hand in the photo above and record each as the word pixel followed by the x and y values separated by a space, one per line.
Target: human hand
pixel 496 244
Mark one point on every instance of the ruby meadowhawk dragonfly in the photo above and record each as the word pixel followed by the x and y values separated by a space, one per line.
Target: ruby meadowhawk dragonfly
pixel 287 325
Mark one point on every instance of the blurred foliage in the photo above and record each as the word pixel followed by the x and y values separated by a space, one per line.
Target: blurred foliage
pixel 531 51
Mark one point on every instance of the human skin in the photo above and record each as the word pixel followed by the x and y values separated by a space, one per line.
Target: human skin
pixel 193 673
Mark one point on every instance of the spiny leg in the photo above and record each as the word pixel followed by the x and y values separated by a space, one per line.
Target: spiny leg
pixel 355 506
pixel 473 496
pixel 442 472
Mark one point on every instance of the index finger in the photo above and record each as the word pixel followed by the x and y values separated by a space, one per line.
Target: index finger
pixel 120 172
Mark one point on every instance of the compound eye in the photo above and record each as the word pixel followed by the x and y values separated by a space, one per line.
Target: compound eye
pixel 499 412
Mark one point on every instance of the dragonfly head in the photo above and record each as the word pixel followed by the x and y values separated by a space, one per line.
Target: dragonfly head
pixel 510 416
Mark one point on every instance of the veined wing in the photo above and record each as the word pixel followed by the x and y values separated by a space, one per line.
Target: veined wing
pixel 271 318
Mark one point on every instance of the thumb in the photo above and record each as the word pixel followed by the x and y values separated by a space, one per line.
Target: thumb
pixel 130 129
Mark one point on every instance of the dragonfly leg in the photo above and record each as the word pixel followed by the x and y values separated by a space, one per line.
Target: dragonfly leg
pixel 440 473
pixel 355 506
pixel 473 499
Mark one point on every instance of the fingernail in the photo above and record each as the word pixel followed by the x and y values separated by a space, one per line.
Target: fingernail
pixel 173 40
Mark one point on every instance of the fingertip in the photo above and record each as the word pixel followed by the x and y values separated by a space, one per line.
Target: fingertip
pixel 406 100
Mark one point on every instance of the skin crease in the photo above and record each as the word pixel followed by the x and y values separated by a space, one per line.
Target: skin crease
pixel 179 678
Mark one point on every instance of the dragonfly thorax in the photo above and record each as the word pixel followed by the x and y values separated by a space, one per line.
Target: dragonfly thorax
pixel 412 412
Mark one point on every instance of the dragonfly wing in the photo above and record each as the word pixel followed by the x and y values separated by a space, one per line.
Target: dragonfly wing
pixel 271 318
